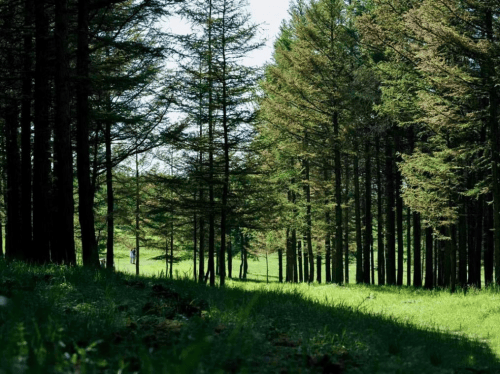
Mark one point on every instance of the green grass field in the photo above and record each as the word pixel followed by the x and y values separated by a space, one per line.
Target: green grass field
pixel 60 320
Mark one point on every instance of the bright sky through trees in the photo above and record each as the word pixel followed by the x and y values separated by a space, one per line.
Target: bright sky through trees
pixel 269 13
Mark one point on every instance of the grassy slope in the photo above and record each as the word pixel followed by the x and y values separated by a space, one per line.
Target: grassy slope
pixel 75 320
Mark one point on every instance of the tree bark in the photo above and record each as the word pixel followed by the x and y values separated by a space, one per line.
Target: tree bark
pixel 26 103
pixel 42 151
pixel 429 276
pixel 408 246
pixel 417 267
pixel 368 215
pixel 357 213
pixel 90 255
pixel 338 202
pixel 390 229
pixel 380 218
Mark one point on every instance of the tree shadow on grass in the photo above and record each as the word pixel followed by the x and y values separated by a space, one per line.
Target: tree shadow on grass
pixel 256 331
pixel 359 340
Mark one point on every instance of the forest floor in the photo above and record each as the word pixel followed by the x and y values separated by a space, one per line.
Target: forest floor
pixel 75 320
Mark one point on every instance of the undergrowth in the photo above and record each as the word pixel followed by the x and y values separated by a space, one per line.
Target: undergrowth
pixel 75 320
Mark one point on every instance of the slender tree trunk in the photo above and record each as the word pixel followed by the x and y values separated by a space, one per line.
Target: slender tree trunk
pixel 429 276
pixel 417 268
pixel 42 152
pixel 63 246
pixel 280 265
pixel 294 254
pixel 229 256
pixel 399 220
pixel 368 215
pixel 299 249
pixel 479 241
pixel 13 246
pixel 494 144
pixel 26 103
pixel 346 221
pixel 211 211
pixel 380 232
pixel 306 258
pixel 90 255
pixel 338 202
pixel 307 192
pixel 195 229
pixel 462 245
pixel 171 247
pixel 471 236
pixel 357 212
pixel 390 230
pixel 225 185
pixel 328 259
pixel 110 197
pixel 288 241
pixel 408 246
pixel 137 213
pixel 488 246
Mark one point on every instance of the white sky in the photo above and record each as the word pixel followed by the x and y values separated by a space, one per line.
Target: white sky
pixel 269 13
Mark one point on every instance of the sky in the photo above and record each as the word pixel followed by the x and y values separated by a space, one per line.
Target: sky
pixel 269 13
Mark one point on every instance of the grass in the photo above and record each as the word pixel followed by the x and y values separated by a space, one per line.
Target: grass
pixel 75 320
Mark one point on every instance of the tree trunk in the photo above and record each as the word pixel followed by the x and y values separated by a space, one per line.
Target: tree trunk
pixel 357 212
pixel 399 220
pixel 328 259
pixel 368 215
pixel 211 210
pixel 338 202
pixel 90 255
pixel 462 245
pixel 230 256
pixel 380 232
pixel 390 229
pixel 429 276
pixel 26 103
pixel 488 246
pixel 479 241
pixel 195 229
pixel 42 152
pixel 494 144
pixel 306 258
pixel 137 213
pixel 417 267
pixel 346 221
pixel 13 248
pixel 408 246
pixel 299 250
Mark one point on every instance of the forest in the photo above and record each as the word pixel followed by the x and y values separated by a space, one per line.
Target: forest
pixel 359 165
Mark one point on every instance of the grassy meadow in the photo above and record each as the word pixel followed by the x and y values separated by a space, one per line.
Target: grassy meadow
pixel 74 320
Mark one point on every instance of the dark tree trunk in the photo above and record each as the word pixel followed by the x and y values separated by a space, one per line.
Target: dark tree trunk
pixel 211 197
pixel 201 261
pixel 471 236
pixel 111 200
pixel 408 246
pixel 42 151
pixel 357 213
pixel 479 241
pixel 230 256
pixel 338 203
pixel 462 245
pixel 299 261
pixel 494 144
pixel 294 255
pixel 380 222
pixel 390 229
pixel 63 246
pixel 13 247
pixel 488 246
pixel 417 267
pixel 429 276
pixel 90 255
pixel 195 243
pixel 280 265
pixel 307 192
pixel 27 97
pixel 137 213
pixel 346 221
pixel 328 249
pixel 306 258
pixel 399 220
pixel 368 215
